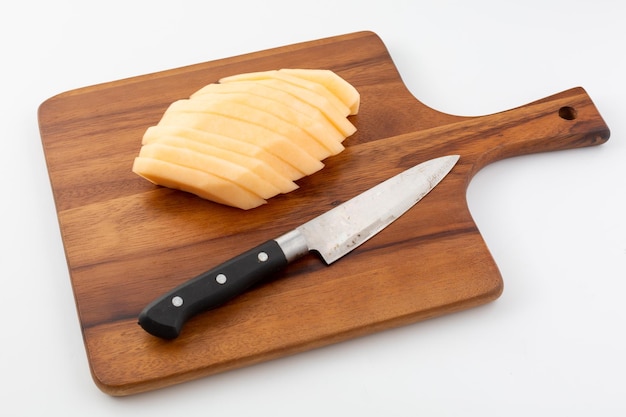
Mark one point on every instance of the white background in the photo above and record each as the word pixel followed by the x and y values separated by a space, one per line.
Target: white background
pixel 552 344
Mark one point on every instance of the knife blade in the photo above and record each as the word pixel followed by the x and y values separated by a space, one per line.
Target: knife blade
pixel 332 234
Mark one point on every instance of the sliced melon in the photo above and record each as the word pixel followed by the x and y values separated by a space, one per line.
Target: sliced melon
pixel 222 162
pixel 333 82
pixel 196 182
pixel 154 133
pixel 250 137
pixel 318 127
pixel 309 96
pixel 249 132
pixel 299 99
pixel 245 178
pixel 210 105
pixel 257 166
pixel 297 81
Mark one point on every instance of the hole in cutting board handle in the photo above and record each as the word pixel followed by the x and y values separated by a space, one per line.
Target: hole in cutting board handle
pixel 568 113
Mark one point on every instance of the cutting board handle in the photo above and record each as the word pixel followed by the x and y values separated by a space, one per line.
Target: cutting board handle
pixel 562 121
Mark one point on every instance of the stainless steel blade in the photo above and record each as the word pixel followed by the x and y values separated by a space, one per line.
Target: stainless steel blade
pixel 342 229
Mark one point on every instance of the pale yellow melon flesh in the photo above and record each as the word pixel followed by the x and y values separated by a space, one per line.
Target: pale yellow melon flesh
pixel 249 132
pixel 241 175
pixel 153 133
pixel 319 128
pixel 334 83
pixel 299 99
pixel 257 166
pixel 248 138
pixel 196 182
pixel 310 97
pixel 249 114
pixel 297 81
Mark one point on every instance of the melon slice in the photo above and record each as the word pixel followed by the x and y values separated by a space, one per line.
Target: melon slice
pixel 318 127
pixel 243 171
pixel 249 114
pixel 334 83
pixel 196 182
pixel 297 81
pixel 280 145
pixel 299 99
pixel 309 96
pixel 154 133
pixel 248 138
pixel 241 176
pixel 227 162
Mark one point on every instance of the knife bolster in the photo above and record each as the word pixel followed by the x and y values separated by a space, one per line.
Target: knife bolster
pixel 293 244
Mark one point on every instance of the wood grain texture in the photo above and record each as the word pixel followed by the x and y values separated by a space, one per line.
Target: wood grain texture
pixel 128 241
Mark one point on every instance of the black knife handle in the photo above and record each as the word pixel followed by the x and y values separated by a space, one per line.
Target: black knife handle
pixel 165 316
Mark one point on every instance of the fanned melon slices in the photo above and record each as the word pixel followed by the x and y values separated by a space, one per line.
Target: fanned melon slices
pixel 239 129
pixel 310 96
pixel 235 173
pixel 294 80
pixel 155 133
pixel 219 106
pixel 202 184
pixel 297 98
pixel 248 172
pixel 315 125
pixel 334 83
pixel 324 82
pixel 248 138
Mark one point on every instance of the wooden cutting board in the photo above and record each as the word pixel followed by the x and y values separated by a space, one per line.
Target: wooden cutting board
pixel 128 241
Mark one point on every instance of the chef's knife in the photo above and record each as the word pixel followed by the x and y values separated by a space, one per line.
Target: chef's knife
pixel 332 234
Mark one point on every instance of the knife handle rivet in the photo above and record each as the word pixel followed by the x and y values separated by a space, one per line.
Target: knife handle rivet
pixel 220 278
pixel 177 301
pixel 262 257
